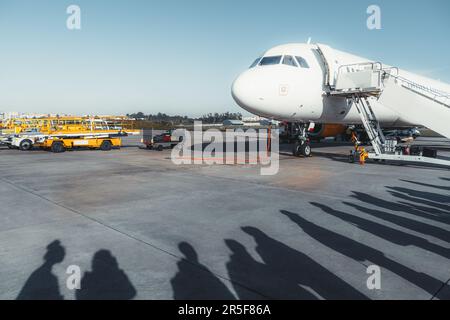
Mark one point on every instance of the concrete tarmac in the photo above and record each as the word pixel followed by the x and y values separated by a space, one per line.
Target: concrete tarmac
pixel 137 226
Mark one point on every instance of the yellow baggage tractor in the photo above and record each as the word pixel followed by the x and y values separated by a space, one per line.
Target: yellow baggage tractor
pixel 61 144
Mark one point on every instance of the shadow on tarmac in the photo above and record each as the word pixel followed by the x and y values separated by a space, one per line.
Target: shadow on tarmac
pixel 280 271
pixel 42 284
pixel 105 282
pixel 194 281
pixel 303 277
pixel 361 252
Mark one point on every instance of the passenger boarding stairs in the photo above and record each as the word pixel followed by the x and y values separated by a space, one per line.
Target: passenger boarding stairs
pixel 415 103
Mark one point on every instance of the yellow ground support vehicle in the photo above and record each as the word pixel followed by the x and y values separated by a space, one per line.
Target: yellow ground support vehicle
pixel 62 133
pixel 66 124
pixel 58 144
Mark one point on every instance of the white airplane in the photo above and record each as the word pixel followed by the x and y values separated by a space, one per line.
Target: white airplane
pixel 313 83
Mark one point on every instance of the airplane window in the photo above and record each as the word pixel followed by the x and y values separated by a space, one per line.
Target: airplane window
pixel 289 61
pixel 267 61
pixel 254 64
pixel 302 62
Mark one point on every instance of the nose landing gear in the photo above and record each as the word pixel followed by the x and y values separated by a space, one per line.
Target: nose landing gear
pixel 302 146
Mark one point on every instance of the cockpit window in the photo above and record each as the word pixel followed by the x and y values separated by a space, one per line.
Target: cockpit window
pixel 267 61
pixel 302 62
pixel 254 64
pixel 289 61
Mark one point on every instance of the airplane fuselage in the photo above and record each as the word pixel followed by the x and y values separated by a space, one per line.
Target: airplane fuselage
pixel 289 83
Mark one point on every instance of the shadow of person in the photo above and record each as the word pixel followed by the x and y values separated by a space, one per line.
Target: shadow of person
pixel 446 188
pixel 386 232
pixel 405 222
pixel 360 252
pixel 245 270
pixel 195 281
pixel 106 281
pixel 430 197
pixel 432 210
pixel 298 268
pixel 42 283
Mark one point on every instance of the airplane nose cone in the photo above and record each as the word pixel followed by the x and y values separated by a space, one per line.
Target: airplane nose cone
pixel 240 90
pixel 244 92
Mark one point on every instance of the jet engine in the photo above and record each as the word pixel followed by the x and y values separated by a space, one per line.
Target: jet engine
pixel 322 131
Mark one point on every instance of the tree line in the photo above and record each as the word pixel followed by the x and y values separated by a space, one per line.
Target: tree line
pixel 164 119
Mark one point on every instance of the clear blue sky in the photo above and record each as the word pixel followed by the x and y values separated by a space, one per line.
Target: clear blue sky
pixel 180 57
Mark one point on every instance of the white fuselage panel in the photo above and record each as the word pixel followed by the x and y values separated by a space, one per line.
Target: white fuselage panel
pixel 289 93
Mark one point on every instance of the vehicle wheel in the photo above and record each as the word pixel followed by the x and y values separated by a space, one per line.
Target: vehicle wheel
pixel 305 149
pixel 25 145
pixel 149 147
pixel 296 151
pixel 160 148
pixel 351 158
pixel 57 147
pixel 106 145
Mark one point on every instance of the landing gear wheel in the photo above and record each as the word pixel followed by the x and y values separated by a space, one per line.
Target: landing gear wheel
pixel 57 147
pixel 106 145
pixel 296 150
pixel 302 148
pixel 25 145
pixel 305 149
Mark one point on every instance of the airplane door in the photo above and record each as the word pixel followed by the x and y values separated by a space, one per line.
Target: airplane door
pixel 331 65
